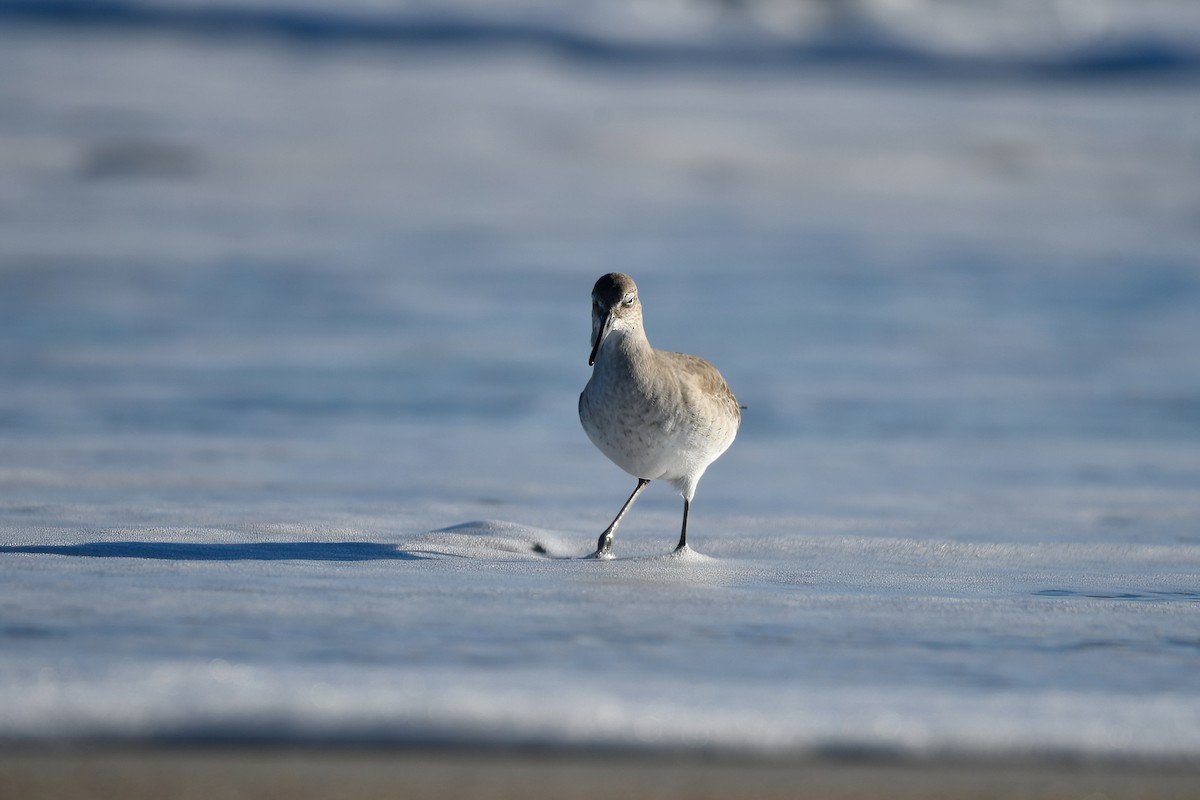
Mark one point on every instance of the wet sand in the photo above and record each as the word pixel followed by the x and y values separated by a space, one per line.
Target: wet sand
pixel 133 773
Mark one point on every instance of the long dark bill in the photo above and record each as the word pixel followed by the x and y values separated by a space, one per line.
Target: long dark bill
pixel 605 328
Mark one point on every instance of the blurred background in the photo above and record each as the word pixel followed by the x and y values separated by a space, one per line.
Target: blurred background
pixel 348 247
pixel 320 272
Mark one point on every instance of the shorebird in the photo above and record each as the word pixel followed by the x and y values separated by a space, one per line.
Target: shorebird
pixel 655 414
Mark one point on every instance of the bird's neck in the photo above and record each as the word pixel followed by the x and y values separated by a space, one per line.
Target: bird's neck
pixel 626 346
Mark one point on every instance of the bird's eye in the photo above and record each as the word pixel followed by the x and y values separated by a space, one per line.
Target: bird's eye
pixel 629 298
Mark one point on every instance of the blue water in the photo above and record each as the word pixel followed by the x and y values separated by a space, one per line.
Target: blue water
pixel 294 315
pixel 1107 39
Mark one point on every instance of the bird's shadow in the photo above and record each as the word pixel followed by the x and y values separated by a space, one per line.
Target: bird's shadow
pixel 225 551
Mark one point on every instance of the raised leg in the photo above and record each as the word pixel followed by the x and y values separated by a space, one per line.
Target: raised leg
pixel 604 546
pixel 683 533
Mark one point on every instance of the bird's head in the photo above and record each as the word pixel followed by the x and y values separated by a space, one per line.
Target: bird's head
pixel 615 307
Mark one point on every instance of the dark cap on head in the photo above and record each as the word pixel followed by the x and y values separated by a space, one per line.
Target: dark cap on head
pixel 612 288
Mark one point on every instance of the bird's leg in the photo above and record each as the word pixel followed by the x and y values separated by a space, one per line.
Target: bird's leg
pixel 604 546
pixel 683 532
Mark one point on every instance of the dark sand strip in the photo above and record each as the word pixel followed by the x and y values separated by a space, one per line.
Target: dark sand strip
pixel 297 773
